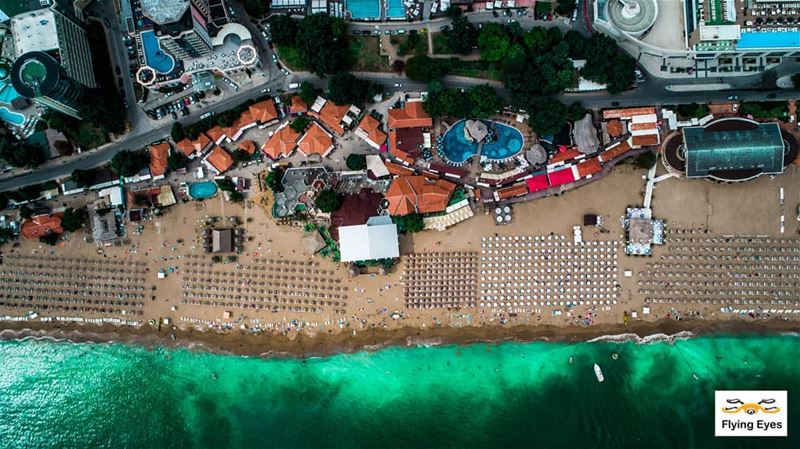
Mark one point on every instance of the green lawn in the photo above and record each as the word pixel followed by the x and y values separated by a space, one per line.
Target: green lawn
pixel 289 56
pixel 411 44
pixel 474 69
pixel 365 55
pixel 765 109
pixel 440 44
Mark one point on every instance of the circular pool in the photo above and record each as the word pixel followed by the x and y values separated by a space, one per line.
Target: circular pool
pixel 508 141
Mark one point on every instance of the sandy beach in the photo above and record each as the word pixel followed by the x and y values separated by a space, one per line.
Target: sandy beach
pixel 276 299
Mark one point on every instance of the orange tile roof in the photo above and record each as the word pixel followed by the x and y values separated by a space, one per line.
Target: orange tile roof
pixel 627 112
pixel 615 151
pixel 417 194
pixel 372 128
pixel 315 140
pixel 282 142
pixel 264 111
pixel 331 114
pixel 186 147
pixel 397 169
pixel 159 154
pixel 201 143
pixel 641 126
pixel 641 141
pixel 298 105
pixel 248 146
pixel 512 191
pixel 40 225
pixel 564 156
pixel 216 133
pixel 413 115
pixel 615 128
pixel 589 167
pixel 219 159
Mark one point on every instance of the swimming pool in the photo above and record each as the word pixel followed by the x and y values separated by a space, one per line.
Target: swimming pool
pixel 11 117
pixel 202 190
pixel 457 148
pixel 779 39
pixel 365 9
pixel 395 9
pixel 154 55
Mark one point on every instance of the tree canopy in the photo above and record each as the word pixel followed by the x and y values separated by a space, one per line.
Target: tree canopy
pixel 547 115
pixel 356 161
pixel 328 201
pixel 83 178
pixel 344 88
pixel 74 219
pixel 283 29
pixel 478 102
pixel 255 8
pixel 20 154
pixel 321 31
pixel 425 69
pixel 300 124
pixel 410 223
pixel 462 35
pixel 493 42
pixel 128 163
pixel 177 133
pixel 308 92
pixel 607 64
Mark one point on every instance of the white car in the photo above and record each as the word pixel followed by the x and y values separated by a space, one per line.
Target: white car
pixel 398 85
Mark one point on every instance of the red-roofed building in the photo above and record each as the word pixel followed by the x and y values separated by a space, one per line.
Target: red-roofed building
pixel 186 147
pixel 264 112
pixel 588 168
pixel 405 143
pixel 615 128
pixel 355 210
pixel 216 134
pixel 562 156
pixel 644 140
pixel 41 225
pixel 218 160
pixel 413 115
pixel 511 191
pixel 248 146
pixel 613 151
pixel 298 106
pixel 537 183
pixel 397 169
pixel 159 157
pixel 315 141
pixel 331 115
pixel 282 143
pixel 627 113
pixel 370 131
pixel 418 194
pixel 562 176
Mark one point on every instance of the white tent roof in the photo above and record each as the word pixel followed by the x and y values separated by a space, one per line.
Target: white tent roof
pixel 375 240
pixel 376 166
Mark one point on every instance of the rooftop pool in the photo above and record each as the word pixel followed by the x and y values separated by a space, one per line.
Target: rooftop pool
pixel 154 55
pixel 203 190
pixel 364 9
pixel 763 39
pixel 458 149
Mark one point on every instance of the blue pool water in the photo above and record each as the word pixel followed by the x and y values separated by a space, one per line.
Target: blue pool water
pixel 7 93
pixel 395 9
pixel 364 9
pixel 11 117
pixel 780 39
pixel 154 55
pixel 457 149
pixel 202 190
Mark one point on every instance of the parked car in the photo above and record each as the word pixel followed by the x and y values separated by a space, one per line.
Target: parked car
pixel 207 115
pixel 639 75
pixel 401 31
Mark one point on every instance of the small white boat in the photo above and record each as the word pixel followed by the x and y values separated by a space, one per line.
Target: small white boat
pixel 598 373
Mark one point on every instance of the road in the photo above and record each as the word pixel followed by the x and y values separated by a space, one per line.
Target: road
pixel 652 92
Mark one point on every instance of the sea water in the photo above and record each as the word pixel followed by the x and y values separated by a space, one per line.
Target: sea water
pixel 657 395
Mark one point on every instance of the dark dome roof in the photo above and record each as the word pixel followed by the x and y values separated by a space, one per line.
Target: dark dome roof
pixel 35 74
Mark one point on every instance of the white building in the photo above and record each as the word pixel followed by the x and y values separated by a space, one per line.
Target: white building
pixel 377 239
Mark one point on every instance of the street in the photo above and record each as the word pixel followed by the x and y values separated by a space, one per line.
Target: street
pixel 653 92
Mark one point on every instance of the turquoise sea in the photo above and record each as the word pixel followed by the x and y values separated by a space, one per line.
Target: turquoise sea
pixel 526 395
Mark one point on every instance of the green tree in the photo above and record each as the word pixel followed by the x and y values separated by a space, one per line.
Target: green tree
pixel 608 64
pixel 128 163
pixel 6 234
pixel 20 154
pixel 484 101
pixel 177 160
pixel 448 103
pixel 328 201
pixel 547 116
pixel 225 184
pixel 50 239
pixel 493 42
pixel 541 39
pixel 236 197
pixel 283 29
pixel 646 160
pixel 74 219
pixel 273 180
pixel 240 156
pixel 410 223
pixel 255 8
pixel 425 69
pixel 565 8
pixel 177 132
pixel 577 44
pixel 575 112
pixel 356 161
pixel 321 31
pixel 344 88
pixel 462 36
pixel 300 124
pixel 308 92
